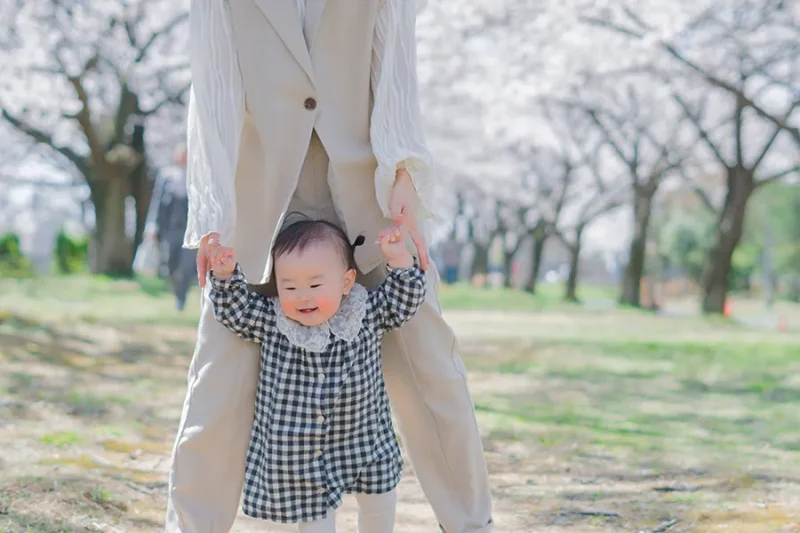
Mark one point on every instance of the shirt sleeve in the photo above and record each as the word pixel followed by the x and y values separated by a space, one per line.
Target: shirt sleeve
pixel 396 132
pixel 214 124
pixel 399 297
pixel 248 314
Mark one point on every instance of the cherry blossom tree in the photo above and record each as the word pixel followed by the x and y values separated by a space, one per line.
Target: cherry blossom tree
pixel 85 80
pixel 544 189
pixel 706 83
pixel 644 136
pixel 513 56
pixel 590 192
pixel 733 70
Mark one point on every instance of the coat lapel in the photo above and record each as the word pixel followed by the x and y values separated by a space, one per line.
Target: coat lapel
pixel 283 17
pixel 314 10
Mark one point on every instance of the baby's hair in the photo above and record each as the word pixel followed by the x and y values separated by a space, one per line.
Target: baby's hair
pixel 299 236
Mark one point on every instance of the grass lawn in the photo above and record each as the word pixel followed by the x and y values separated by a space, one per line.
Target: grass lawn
pixel 146 300
pixel 612 420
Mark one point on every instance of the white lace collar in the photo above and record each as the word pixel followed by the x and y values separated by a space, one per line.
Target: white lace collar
pixel 345 324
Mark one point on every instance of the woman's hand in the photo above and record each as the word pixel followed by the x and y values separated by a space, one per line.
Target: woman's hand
pixel 403 210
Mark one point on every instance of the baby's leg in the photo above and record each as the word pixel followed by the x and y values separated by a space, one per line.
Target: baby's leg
pixel 324 525
pixel 376 512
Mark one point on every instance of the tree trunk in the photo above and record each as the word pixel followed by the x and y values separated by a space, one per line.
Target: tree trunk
pixel 142 185
pixel 539 239
pixel 112 251
pixel 726 238
pixel 794 289
pixel 480 261
pixel 508 268
pixel 574 265
pixel 632 279
pixel 143 194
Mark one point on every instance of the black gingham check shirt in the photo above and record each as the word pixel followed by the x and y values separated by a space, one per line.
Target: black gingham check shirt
pixel 322 424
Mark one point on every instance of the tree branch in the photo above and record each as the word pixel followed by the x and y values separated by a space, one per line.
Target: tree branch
pixel 700 130
pixel 610 140
pixel 176 98
pixel 707 203
pixel 595 21
pixel 636 18
pixel 722 84
pixel 738 126
pixel 44 138
pixel 609 205
pixel 561 237
pixel 766 148
pixel 168 27
pixel 84 118
pixel 777 176
pixel 703 73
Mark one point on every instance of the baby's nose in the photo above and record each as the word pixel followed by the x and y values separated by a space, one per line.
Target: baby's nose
pixel 305 296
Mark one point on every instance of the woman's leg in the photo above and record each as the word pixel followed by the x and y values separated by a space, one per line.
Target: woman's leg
pixel 208 461
pixel 427 386
pixel 325 525
pixel 312 196
pixel 376 512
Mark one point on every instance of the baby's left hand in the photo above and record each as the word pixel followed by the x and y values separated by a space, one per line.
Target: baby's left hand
pixel 392 242
pixel 221 260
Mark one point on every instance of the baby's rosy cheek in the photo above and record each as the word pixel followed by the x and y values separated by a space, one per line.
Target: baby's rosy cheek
pixel 326 305
pixel 286 305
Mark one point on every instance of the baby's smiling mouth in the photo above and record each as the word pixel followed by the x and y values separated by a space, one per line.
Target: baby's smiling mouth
pixel 307 310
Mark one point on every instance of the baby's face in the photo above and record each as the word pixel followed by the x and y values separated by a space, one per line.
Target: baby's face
pixel 311 284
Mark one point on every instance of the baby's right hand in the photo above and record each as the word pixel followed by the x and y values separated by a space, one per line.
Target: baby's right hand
pixel 222 260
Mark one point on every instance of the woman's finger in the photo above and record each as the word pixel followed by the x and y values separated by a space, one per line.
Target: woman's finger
pixel 398 213
pixel 202 267
pixel 422 247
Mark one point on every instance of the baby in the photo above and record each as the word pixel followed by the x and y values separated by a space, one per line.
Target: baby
pixel 322 424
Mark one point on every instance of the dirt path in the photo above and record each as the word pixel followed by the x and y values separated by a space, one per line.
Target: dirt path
pixel 88 413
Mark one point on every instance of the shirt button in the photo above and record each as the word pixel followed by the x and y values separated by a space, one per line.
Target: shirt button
pixel 321 490
pixel 310 104
pixel 321 377
pixel 318 453
pixel 320 419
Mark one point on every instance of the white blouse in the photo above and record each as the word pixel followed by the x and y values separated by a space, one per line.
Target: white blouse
pixel 216 115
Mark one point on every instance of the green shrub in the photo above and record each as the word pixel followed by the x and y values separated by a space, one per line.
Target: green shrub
pixel 12 263
pixel 72 253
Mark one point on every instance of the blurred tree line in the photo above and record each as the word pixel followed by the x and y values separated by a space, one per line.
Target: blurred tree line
pixel 547 119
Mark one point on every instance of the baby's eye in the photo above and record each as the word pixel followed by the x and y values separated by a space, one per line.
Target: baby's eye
pixel 288 288
pixel 316 286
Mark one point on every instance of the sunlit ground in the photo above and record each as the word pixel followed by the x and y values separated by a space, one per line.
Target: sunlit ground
pixel 593 420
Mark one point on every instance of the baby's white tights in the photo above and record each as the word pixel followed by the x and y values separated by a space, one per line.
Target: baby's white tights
pixel 376 514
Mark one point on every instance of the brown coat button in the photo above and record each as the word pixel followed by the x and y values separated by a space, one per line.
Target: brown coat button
pixel 310 104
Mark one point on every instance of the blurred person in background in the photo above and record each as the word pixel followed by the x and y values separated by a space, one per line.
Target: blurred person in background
pixel 171 218
pixel 451 260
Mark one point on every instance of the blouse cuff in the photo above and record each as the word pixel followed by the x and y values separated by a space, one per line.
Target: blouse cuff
pixel 194 235
pixel 420 171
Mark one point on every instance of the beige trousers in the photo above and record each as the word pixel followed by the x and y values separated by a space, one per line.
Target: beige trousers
pixel 425 378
